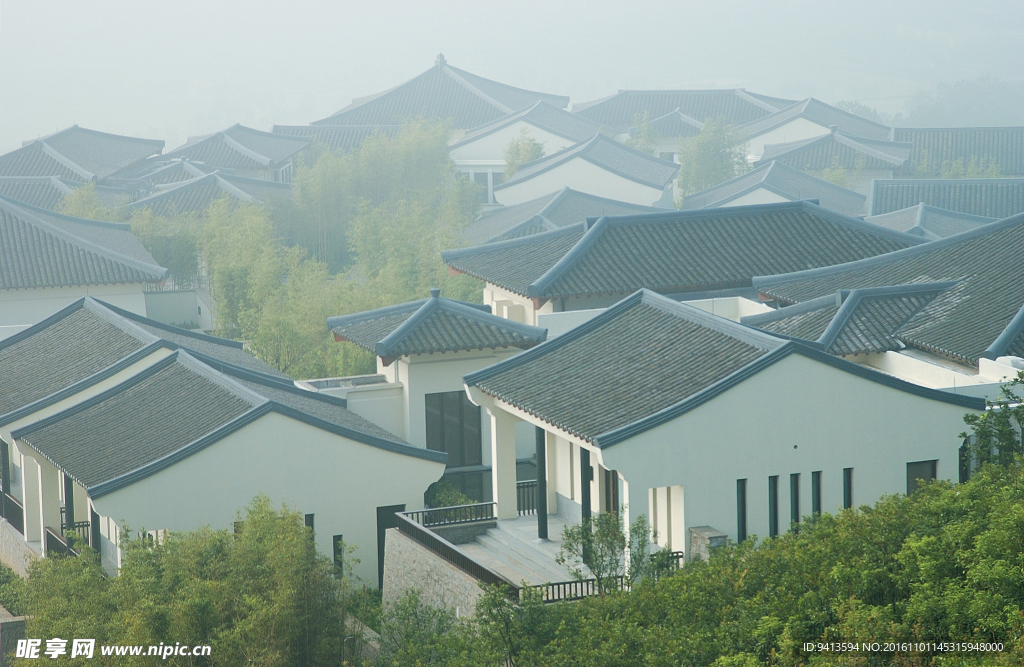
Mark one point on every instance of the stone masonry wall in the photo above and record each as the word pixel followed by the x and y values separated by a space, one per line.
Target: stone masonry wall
pixel 408 565
pixel 15 553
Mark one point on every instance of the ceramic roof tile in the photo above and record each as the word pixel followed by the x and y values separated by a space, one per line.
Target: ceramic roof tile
pixel 821 114
pixel 786 182
pixel 195 196
pixel 988 197
pixel 735 106
pixel 1002 146
pixel 928 222
pixel 240 147
pixel 542 115
pixel 337 137
pixel 847 151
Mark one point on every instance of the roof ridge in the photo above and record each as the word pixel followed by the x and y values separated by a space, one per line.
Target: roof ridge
pixel 87 130
pixel 89 222
pixel 476 91
pixel 457 253
pixel 1013 329
pixel 170 328
pixel 64 160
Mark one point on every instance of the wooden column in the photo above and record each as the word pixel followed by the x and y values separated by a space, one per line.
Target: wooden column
pixel 542 483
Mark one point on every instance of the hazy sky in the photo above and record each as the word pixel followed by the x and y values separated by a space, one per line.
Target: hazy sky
pixel 172 69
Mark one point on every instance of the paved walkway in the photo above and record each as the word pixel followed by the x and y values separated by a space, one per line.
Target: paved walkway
pixel 513 550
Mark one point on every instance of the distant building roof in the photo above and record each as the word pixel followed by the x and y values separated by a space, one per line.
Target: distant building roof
pixel 541 115
pixel 40 248
pixel 337 137
pixel 819 113
pixel 784 181
pixel 861 321
pixel 644 362
pixel 734 105
pixel 196 195
pixel 240 147
pixel 430 326
pixel 1002 146
pixel 673 124
pixel 558 209
pixel 441 92
pixel 47 192
pixel 849 151
pixel 78 154
pixel 608 154
pixel 966 322
pixel 928 222
pixel 674 252
pixel 987 197
pixel 159 171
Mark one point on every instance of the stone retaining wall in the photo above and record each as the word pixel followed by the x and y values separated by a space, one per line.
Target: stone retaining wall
pixel 410 565
pixel 15 552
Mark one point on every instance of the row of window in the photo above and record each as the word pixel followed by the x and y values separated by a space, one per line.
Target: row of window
pixel 917 472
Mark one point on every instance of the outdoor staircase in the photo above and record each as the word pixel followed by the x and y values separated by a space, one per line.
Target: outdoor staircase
pixel 513 550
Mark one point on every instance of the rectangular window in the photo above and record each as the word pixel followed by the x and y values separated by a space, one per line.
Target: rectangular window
pixel 773 505
pixel 309 520
pixel 847 488
pixel 339 554
pixel 453 426
pixel 919 472
pixel 794 498
pixel 816 492
pixel 741 510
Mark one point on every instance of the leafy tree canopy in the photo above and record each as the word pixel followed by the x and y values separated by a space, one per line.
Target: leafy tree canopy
pixel 521 150
pixel 714 156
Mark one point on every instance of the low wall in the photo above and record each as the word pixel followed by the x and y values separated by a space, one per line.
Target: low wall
pixel 15 553
pixel 464 533
pixel 11 630
pixel 410 565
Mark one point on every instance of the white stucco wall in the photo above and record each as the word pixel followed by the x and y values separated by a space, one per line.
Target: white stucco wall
pixel 758 196
pixel 583 176
pixel 20 309
pixel 858 180
pixel 794 130
pixel 797 416
pixel 492 147
pixel 341 481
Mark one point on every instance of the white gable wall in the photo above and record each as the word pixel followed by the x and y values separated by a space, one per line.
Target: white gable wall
pixel 583 176
pixel 797 416
pixel 20 309
pixel 758 196
pixel 492 146
pixel 794 130
pixel 340 481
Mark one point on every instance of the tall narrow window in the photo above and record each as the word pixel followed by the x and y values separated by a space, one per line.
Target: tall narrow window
pixel 816 492
pixel 453 426
pixel 741 510
pixel 965 461
pixel 794 498
pixel 773 505
pixel 339 554
pixel 309 520
pixel 919 472
pixel 847 488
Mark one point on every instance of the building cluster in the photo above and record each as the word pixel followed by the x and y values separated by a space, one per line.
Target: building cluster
pixel 786 343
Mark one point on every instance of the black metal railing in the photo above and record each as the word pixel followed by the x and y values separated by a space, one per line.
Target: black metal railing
pixel 450 553
pixel 526 497
pixel 676 558
pixel 450 516
pixel 566 591
pixel 56 545
pixel 14 513
pixel 82 530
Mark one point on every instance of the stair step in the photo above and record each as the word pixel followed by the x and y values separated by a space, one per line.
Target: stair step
pixel 542 562
pixel 525 567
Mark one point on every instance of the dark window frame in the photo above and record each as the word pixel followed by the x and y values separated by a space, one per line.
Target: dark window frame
pixel 816 492
pixel 847 488
pixel 794 499
pixel 453 426
pixel 773 506
pixel 741 510
pixel 930 468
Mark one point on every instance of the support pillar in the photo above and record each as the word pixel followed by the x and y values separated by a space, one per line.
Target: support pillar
pixel 503 463
pixel 586 475
pixel 542 483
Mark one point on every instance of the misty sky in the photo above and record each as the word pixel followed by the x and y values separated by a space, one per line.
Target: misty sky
pixel 168 70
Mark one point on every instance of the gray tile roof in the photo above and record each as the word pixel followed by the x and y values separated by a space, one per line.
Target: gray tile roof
pixel 1003 146
pixel 155 414
pixel 78 154
pixel 735 106
pixel 928 222
pixel 441 92
pixel 607 154
pixel 541 115
pixel 195 196
pixel 159 171
pixel 860 321
pixel 674 252
pixel 820 113
pixel 432 325
pixel 783 180
pixel 673 124
pixel 240 147
pixel 39 248
pixel 337 137
pixel 850 151
pixel 558 209
pixel 643 362
pixel 987 197
pixel 965 322
pixel 643 355
pixel 41 191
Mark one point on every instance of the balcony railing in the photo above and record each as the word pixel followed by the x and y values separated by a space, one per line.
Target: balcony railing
pixel 56 545
pixel 14 513
pixel 450 516
pixel 82 530
pixel 566 591
pixel 526 497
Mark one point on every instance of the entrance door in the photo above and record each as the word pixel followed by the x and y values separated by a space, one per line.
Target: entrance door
pixel 385 519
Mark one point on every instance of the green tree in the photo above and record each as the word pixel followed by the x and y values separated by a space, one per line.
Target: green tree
pixel 714 156
pixel 84 202
pixel 864 111
pixel 997 435
pixel 643 138
pixel 521 150
pixel 597 548
pixel 835 173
